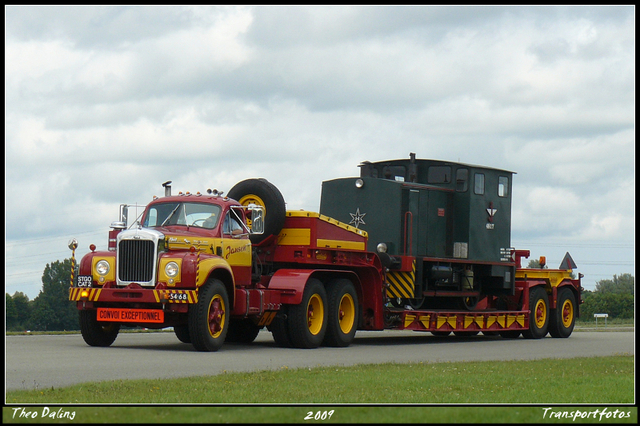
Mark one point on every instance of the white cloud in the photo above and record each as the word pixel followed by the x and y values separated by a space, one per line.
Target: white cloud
pixel 106 103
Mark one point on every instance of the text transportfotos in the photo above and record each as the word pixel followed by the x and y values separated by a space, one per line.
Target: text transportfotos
pixel 595 414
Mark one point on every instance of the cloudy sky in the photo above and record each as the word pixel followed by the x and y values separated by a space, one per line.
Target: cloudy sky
pixel 103 104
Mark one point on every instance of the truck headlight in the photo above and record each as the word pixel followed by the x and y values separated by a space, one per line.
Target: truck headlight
pixel 171 269
pixel 102 267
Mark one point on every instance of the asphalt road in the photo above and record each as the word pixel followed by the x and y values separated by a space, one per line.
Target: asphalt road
pixel 45 361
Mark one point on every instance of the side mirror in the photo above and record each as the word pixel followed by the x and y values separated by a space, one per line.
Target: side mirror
pixel 257 219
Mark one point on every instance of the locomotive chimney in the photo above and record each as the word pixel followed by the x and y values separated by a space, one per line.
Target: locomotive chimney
pixel 167 188
pixel 413 173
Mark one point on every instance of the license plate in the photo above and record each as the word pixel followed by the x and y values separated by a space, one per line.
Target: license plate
pixel 131 315
pixel 85 280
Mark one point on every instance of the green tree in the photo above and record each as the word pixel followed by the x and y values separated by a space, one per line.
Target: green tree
pixel 623 284
pixel 52 309
pixel 614 297
pixel 11 312
pixel 23 307
pixel 535 264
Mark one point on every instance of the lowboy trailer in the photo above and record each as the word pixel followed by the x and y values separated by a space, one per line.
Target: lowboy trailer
pixel 410 244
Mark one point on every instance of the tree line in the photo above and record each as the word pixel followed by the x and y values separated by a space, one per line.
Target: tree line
pixel 614 297
pixel 51 310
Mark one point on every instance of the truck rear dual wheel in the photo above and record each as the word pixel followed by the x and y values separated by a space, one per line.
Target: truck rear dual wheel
pixel 242 330
pixel 342 318
pixel 209 318
pixel 539 316
pixel 279 328
pixel 307 321
pixel 182 333
pixel 97 333
pixel 563 318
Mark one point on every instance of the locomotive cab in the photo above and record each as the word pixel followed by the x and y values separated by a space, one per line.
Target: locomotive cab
pixel 446 226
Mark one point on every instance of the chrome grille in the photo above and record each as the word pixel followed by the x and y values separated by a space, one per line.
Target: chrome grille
pixel 136 261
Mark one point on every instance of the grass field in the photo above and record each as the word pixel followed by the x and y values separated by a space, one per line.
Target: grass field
pixel 289 395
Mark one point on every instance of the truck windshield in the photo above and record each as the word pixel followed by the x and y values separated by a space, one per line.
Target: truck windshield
pixel 188 214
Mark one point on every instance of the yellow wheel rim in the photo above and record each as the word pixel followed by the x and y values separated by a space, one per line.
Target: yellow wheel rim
pixel 216 316
pixel 346 313
pixel 315 314
pixel 567 313
pixel 540 313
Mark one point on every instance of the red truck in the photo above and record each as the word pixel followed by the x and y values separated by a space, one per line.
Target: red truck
pixel 220 268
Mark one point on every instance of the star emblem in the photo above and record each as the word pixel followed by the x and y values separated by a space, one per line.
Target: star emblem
pixel 357 218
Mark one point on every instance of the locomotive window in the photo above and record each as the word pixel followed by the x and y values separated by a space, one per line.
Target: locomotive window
pixel 503 186
pixel 478 186
pixel 439 174
pixel 394 173
pixel 462 180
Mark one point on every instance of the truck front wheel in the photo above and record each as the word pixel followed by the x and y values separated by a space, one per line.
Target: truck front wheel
pixel 308 320
pixel 563 318
pixel 342 318
pixel 182 333
pixel 209 318
pixel 97 333
pixel 539 316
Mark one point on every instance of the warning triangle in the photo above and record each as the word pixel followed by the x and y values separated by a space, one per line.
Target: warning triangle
pixel 567 262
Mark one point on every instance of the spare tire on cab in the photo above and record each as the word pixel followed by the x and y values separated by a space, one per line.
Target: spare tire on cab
pixel 265 194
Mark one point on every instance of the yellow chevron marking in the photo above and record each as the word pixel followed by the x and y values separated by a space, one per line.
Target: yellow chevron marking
pixel 520 320
pixel 267 318
pixel 95 294
pixel 186 296
pixel 402 284
pixel 502 319
pixel 408 320
pixel 425 320
pixel 470 319
pixel 491 320
pixel 442 320
pixel 75 294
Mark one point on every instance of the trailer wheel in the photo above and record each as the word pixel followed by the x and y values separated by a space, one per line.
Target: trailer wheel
pixel 466 333
pixel 510 334
pixel 182 333
pixel 265 194
pixel 539 316
pixel 563 318
pixel 242 331
pixel 307 321
pixel 342 318
pixel 209 318
pixel 469 303
pixel 97 333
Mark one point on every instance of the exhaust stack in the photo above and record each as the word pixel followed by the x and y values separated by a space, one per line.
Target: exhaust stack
pixel 167 188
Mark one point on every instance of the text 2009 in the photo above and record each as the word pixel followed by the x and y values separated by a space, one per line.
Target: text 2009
pixel 319 415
